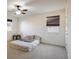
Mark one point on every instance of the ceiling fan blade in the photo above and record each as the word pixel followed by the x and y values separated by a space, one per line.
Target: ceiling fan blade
pixel 24 10
pixel 23 13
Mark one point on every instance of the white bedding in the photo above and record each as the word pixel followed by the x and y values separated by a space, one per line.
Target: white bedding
pixel 28 45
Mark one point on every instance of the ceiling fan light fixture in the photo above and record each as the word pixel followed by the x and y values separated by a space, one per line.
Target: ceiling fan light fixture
pixel 18 12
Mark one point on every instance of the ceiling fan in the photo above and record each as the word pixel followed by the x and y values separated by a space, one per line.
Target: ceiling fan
pixel 19 10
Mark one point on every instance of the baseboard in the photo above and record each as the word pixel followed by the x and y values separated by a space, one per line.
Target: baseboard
pixel 52 44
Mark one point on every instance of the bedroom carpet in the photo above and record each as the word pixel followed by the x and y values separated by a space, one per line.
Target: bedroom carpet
pixel 41 52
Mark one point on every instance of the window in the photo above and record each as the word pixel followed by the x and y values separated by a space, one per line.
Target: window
pixel 9 25
pixel 53 29
pixel 53 23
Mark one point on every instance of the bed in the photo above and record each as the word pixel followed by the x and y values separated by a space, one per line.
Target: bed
pixel 27 43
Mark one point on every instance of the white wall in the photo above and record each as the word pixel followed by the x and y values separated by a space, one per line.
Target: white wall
pixel 15 24
pixel 68 25
pixel 37 25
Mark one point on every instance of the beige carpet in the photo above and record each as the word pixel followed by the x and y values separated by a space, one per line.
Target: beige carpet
pixel 40 52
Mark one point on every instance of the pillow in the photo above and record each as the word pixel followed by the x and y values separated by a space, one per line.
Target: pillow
pixel 28 38
pixel 37 37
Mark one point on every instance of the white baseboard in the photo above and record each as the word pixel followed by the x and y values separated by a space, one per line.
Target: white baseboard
pixel 52 44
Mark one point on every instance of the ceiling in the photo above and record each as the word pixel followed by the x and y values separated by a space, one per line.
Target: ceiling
pixel 36 6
